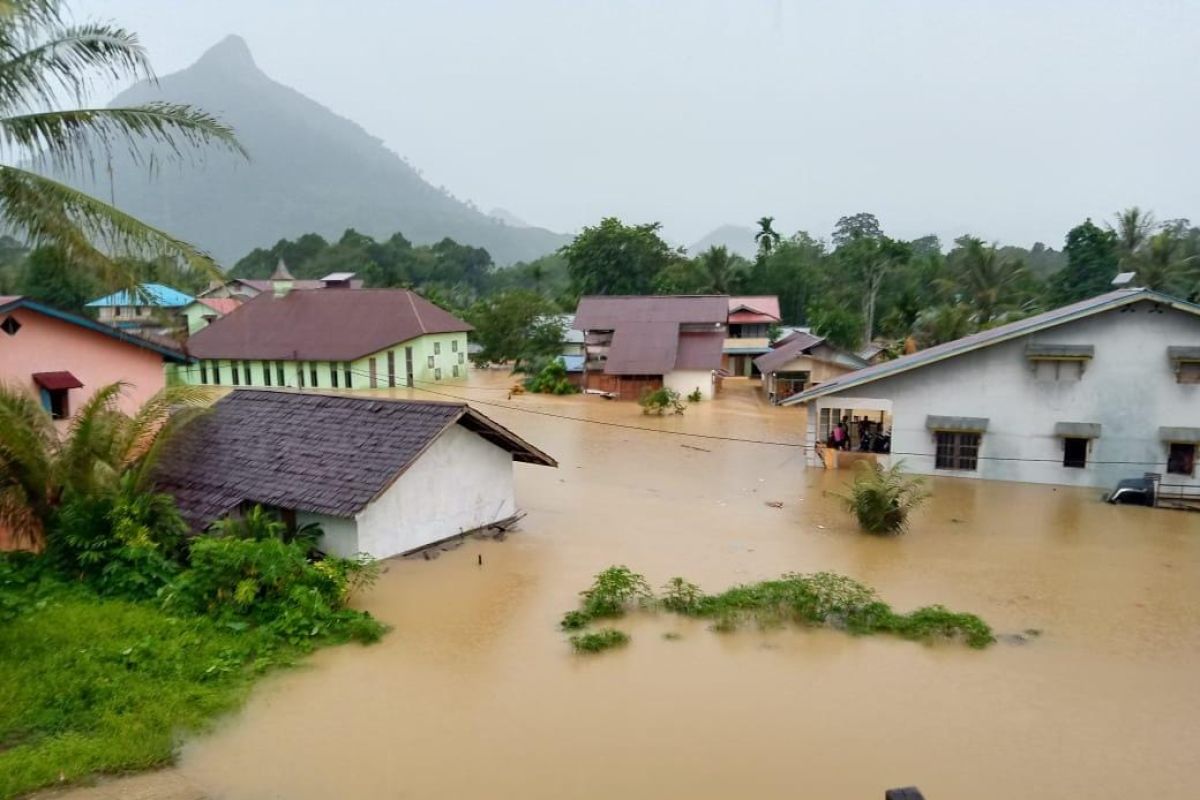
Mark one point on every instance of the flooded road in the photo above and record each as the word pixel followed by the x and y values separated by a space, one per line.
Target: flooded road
pixel 476 694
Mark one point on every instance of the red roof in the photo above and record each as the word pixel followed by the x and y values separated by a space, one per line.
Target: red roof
pixel 322 325
pixel 55 381
pixel 221 305
pixel 761 308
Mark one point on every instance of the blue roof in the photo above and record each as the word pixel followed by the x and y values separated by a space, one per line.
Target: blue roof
pixel 573 363
pixel 148 294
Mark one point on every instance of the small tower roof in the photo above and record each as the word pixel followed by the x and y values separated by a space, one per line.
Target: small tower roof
pixel 281 273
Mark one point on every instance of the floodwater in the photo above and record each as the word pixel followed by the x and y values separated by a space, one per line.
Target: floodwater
pixel 476 694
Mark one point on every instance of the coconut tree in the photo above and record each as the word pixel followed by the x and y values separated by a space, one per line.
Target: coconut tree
pixel 1163 263
pixel 39 467
pixel 45 59
pixel 987 280
pixel 1133 227
pixel 721 269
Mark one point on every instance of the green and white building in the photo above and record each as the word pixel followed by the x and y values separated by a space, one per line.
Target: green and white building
pixel 330 339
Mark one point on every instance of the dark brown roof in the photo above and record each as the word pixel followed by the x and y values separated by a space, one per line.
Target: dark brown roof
pixel 699 351
pixel 322 325
pixel 325 454
pixel 606 313
pixel 794 346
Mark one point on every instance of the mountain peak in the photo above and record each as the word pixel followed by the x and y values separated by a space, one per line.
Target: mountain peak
pixel 231 53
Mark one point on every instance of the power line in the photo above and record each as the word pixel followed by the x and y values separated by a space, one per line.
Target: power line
pixel 706 436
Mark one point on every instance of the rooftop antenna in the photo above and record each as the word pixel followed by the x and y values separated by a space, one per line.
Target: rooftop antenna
pixel 1123 280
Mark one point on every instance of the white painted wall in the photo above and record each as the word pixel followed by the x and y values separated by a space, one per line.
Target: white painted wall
pixel 686 381
pixel 462 482
pixel 341 535
pixel 1128 387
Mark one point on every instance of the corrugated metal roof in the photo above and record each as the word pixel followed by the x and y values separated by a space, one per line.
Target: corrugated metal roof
pixel 308 452
pixel 699 351
pixel 163 347
pixel 322 325
pixel 761 307
pixel 1029 325
pixel 796 346
pixel 606 313
pixel 643 348
pixel 221 305
pixel 148 294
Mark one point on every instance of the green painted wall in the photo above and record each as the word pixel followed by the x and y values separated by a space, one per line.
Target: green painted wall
pixel 436 358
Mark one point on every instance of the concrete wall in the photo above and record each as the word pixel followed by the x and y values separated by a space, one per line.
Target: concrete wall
pixel 448 352
pixel 341 535
pixel 46 344
pixel 1129 388
pixel 462 482
pixel 686 381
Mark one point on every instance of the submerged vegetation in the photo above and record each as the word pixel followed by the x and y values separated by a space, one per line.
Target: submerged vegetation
pixel 551 379
pixel 660 401
pixel 596 641
pixel 821 599
pixel 881 499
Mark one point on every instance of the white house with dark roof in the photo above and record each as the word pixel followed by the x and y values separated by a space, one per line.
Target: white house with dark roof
pixel 380 477
pixel 1088 394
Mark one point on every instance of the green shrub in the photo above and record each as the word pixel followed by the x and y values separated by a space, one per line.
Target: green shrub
pixel 660 401
pixel 613 591
pixel 681 596
pixel 273 584
pixel 551 379
pixel 695 396
pixel 603 639
pixel 881 499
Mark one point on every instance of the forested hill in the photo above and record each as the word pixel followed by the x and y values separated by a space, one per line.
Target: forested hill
pixel 309 170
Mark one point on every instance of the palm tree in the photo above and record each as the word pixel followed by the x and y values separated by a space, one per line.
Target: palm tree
pixel 1133 230
pixel 881 499
pixel 39 468
pixel 42 59
pixel 766 238
pixel 944 323
pixel 1162 264
pixel 987 280
pixel 721 269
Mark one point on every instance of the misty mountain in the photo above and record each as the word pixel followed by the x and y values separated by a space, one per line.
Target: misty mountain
pixel 310 170
pixel 737 238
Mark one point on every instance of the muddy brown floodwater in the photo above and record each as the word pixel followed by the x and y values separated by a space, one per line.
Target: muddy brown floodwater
pixel 476 694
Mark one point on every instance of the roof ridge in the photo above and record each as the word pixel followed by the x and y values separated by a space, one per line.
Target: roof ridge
pixel 416 313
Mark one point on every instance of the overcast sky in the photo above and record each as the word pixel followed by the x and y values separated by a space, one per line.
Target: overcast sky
pixel 1011 119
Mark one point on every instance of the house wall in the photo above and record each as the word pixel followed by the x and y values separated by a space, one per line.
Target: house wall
pixel 46 344
pixel 194 314
pixel 686 381
pixel 446 351
pixel 818 371
pixel 462 482
pixel 340 535
pixel 1129 388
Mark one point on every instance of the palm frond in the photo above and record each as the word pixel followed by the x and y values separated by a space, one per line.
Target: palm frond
pixel 65 60
pixel 90 441
pixel 147 425
pixel 69 140
pixel 27 446
pixel 89 231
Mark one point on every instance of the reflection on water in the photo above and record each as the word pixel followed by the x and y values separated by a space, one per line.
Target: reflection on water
pixel 475 694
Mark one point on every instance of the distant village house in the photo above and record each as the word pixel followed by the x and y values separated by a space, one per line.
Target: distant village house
pixel 153 307
pixel 749 325
pixel 800 361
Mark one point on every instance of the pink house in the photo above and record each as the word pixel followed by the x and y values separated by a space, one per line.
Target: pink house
pixel 64 358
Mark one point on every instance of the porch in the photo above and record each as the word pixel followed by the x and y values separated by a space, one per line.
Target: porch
pixel 845 430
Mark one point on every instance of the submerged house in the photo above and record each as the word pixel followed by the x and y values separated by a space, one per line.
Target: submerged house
pixel 636 343
pixel 749 333
pixel 381 477
pixel 801 361
pixel 324 339
pixel 63 358
pixel 1088 394
pixel 152 307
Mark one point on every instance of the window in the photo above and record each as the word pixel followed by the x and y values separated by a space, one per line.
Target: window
pixel 117 311
pixel 279 379
pixel 372 375
pixel 312 374
pixel 437 348
pixel 1188 372
pixel 233 367
pixel 10 326
pixel 956 450
pixel 346 374
pixel 333 371
pixel 437 374
pixel 55 401
pixel 431 362
pixel 1181 459
pixel 1060 371
pixel 203 371
pixel 454 346
pixel 246 373
pixel 460 358
pixel 391 367
pixel 216 370
pixel 1075 452
pixel 139 311
pixel 299 374
pixel 266 367
pixel 454 370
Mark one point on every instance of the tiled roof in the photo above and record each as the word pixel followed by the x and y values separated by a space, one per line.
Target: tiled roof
pixel 1022 327
pixel 164 347
pixel 148 294
pixel 322 325
pixel 324 454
